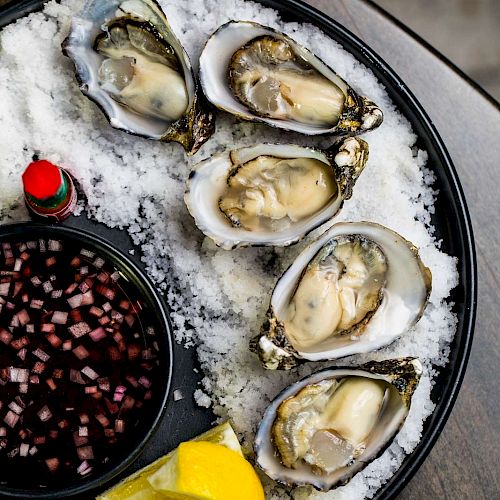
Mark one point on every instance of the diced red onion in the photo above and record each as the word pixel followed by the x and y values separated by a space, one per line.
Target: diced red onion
pixel 96 311
pixel 89 372
pixel 54 340
pixel 44 413
pixel 47 287
pixel 79 440
pixel 132 381
pixel 41 354
pixel 19 375
pixel 79 329
pixel 84 468
pixel 128 403
pixel 80 352
pixel 75 315
pixel 71 288
pixel 67 344
pixel 145 382
pixel 17 288
pixel 20 342
pixel 85 453
pixel 104 384
pixel 55 246
pixel 5 336
pixel 52 464
pixel 11 419
pixel 97 334
pixel 112 407
pixel 91 389
pixel 106 292
pixel 75 301
pixel 48 328
pixel 133 351
pixel 63 424
pixel 99 262
pixel 103 277
pixel 104 320
pixel 4 289
pixel 24 450
pixel 23 317
pixel 114 353
pixel 75 262
pixel 102 419
pixel 16 408
pixel 50 261
pixel 76 377
pixel 36 304
pixel 51 384
pixel 36 281
pixel 119 425
pixel 87 253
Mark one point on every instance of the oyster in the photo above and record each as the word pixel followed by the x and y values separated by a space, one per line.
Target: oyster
pixel 130 63
pixel 355 289
pixel 260 74
pixel 327 427
pixel 272 194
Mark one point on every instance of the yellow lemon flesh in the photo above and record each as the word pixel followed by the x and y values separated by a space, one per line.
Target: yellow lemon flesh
pixel 209 471
pixel 188 473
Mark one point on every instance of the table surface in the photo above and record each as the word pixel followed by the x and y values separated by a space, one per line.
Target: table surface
pixel 464 462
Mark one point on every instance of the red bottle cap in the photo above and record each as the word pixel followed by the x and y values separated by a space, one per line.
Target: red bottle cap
pixel 42 179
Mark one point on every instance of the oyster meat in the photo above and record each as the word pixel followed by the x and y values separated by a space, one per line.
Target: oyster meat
pixel 128 61
pixel 260 74
pixel 355 289
pixel 339 291
pixel 330 425
pixel 272 194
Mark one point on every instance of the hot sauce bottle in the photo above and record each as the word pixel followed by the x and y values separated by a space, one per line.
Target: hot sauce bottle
pixel 49 191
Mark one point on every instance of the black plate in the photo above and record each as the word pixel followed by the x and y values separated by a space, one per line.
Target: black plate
pixel 453 227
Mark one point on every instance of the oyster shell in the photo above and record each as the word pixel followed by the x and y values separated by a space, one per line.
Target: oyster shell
pixel 130 63
pixel 355 289
pixel 272 194
pixel 327 427
pixel 260 74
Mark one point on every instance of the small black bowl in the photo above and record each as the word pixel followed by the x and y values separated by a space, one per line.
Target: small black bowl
pixel 151 417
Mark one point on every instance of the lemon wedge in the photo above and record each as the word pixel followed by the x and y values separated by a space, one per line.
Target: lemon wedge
pixel 209 467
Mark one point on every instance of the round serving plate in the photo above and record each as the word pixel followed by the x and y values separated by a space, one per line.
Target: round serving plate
pixel 453 228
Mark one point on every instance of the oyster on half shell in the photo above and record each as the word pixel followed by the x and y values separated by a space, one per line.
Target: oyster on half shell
pixel 260 74
pixel 355 289
pixel 327 427
pixel 128 61
pixel 272 194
